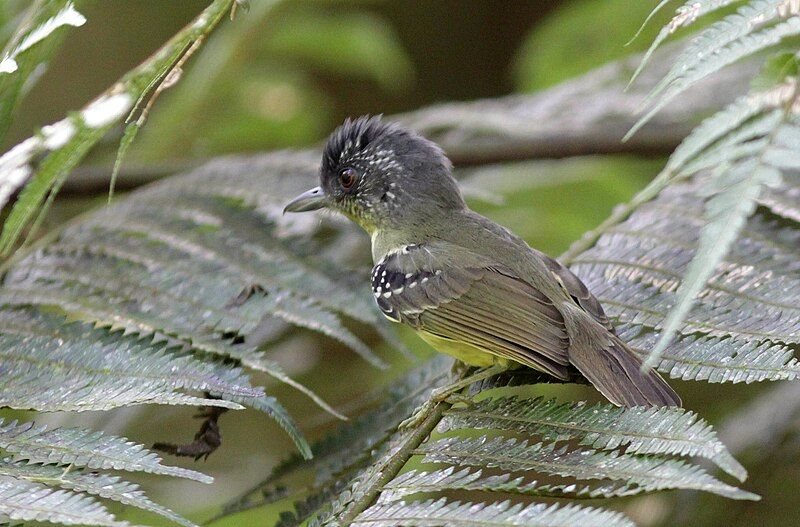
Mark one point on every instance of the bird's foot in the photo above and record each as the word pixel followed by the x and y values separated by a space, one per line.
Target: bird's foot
pixel 460 369
pixel 437 396
pixel 245 295
pixel 460 398
pixel 449 393
pixel 419 415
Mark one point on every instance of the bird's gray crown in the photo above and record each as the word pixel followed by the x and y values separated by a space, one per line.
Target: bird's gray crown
pixel 354 136
pixel 378 172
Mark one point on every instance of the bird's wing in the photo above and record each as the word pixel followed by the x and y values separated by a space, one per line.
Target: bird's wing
pixel 577 290
pixel 472 302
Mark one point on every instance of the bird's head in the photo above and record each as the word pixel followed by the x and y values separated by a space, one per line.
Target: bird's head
pixel 381 175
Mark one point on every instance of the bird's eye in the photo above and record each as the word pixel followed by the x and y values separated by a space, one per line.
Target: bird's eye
pixel 347 177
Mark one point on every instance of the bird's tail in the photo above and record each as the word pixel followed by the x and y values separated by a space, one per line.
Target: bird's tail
pixel 612 367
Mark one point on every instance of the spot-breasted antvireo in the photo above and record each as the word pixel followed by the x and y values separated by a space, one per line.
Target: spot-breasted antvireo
pixel 467 285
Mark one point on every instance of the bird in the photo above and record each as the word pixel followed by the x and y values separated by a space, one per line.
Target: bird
pixel 467 285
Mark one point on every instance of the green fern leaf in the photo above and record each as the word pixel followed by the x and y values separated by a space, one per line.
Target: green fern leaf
pixel 649 473
pixel 84 448
pixel 731 29
pixel 102 485
pixel 343 454
pixel 191 255
pixel 448 479
pixel 600 426
pixel 728 211
pixel 51 365
pixel 26 501
pixel 441 512
pixel 747 312
pixel 746 46
pixel 718 360
pixel 685 15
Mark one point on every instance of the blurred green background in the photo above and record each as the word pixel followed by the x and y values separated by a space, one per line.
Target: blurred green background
pixel 284 74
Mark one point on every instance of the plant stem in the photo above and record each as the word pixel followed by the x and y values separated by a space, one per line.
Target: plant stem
pixel 394 460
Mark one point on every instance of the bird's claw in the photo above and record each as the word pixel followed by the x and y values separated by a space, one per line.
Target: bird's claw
pixel 419 415
pixel 437 396
pixel 456 398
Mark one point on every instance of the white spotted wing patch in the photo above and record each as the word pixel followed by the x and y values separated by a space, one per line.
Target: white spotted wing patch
pixel 408 281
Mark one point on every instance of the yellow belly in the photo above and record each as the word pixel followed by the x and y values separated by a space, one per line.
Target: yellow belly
pixel 466 353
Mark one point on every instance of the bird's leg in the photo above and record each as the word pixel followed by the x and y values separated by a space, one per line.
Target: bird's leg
pixel 445 392
pixel 460 368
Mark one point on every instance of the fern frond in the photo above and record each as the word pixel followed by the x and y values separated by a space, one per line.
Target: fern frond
pixel 416 482
pixel 62 145
pixel 94 483
pixel 748 309
pixel 26 501
pixel 52 365
pixel 727 212
pixel 167 262
pixel 756 26
pixel 718 360
pixel 649 473
pixel 441 512
pixel 600 426
pixel 747 146
pixel 31 45
pixel 685 15
pixel 84 448
pixel 192 254
pixel 345 453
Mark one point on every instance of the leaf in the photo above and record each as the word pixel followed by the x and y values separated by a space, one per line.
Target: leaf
pixel 727 212
pixel 648 473
pixel 601 426
pixel 442 512
pixel 719 360
pixel 26 501
pixel 29 49
pixel 745 319
pixel 415 482
pixel 64 143
pixel 343 454
pixel 84 448
pixel 54 366
pixel 685 15
pixel 739 35
pixel 102 485
pixel 131 130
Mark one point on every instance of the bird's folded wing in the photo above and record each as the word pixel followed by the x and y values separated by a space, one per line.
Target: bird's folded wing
pixel 577 289
pixel 480 305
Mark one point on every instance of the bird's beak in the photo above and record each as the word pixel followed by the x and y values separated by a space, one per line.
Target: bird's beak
pixel 309 200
